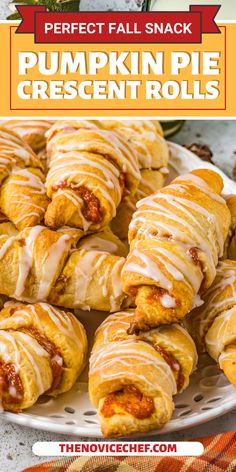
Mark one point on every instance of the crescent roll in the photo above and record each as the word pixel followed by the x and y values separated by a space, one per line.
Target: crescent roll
pixel 90 171
pixel 42 350
pixel 39 265
pixel 214 323
pixel 23 198
pixel 176 236
pixel 132 379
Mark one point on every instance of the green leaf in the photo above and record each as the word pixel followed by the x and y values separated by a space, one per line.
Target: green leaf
pixel 14 16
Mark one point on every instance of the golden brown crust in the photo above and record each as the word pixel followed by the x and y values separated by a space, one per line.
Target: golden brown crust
pixel 146 136
pixel 43 265
pixel 43 351
pixel 176 238
pixel 31 131
pixel 214 323
pixel 23 197
pixel 133 378
pixel 90 171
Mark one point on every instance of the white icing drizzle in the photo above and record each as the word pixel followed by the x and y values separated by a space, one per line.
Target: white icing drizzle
pixel 30 180
pixel 8 351
pixel 176 218
pixel 39 351
pixel 203 240
pixel 78 202
pixel 14 151
pixel 89 265
pixel 6 245
pixel 83 159
pixel 116 284
pixel 99 244
pixel 50 263
pixel 215 303
pixel 223 337
pixel 25 128
pixel 63 322
pixel 143 135
pixel 167 301
pixel 26 260
pixel 116 360
pixel 146 267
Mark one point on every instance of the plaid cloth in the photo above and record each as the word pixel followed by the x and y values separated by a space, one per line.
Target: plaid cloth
pixel 219 456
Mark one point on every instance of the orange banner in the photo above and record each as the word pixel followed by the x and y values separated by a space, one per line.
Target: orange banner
pixel 164 80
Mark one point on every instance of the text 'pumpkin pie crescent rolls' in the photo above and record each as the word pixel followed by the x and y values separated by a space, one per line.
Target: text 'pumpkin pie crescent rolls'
pixel 39 264
pixel 176 236
pixel 23 198
pixel 132 379
pixel 90 171
pixel 213 324
pixel 42 350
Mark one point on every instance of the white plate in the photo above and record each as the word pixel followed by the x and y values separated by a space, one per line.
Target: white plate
pixel 208 396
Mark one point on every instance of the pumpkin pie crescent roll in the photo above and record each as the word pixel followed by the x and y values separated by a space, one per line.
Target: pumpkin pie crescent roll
pixel 213 324
pixel 176 237
pixel 23 198
pixel 90 171
pixel 38 264
pixel 132 379
pixel 42 350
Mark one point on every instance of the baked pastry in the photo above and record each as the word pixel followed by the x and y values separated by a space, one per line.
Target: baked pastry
pixel 214 324
pixel 43 265
pixel 151 181
pixel 90 171
pixel 146 136
pixel 63 127
pixel 230 245
pixel 42 350
pixel 23 198
pixel 132 379
pixel 104 241
pixel 31 131
pixel 177 236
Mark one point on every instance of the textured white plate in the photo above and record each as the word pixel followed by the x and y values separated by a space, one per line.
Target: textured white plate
pixel 208 396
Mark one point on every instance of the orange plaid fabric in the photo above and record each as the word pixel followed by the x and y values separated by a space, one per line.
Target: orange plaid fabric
pixel 219 456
